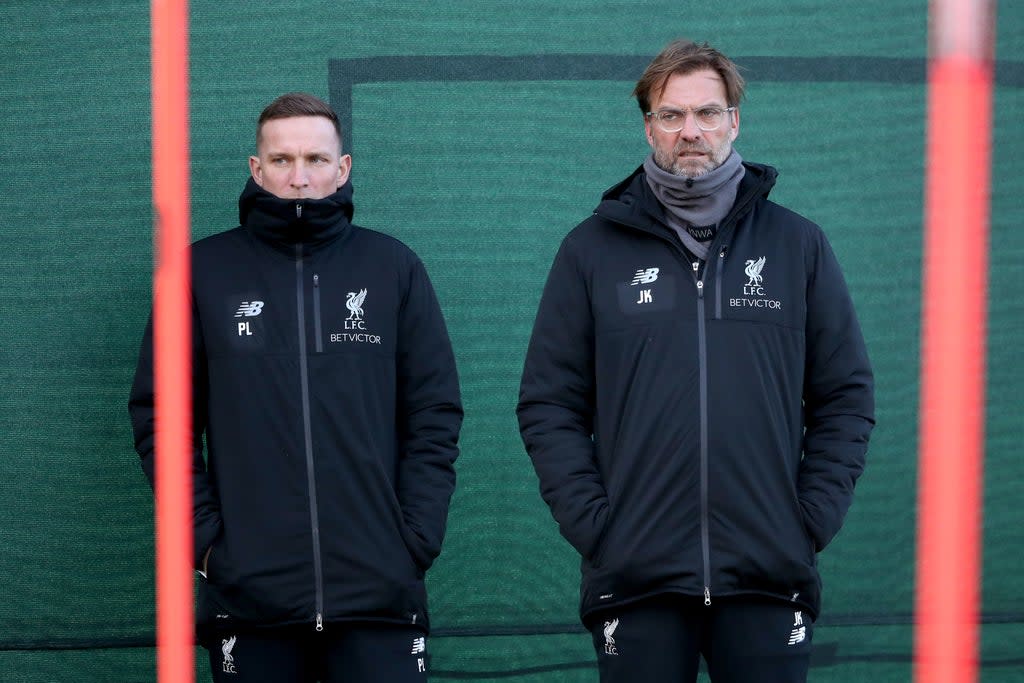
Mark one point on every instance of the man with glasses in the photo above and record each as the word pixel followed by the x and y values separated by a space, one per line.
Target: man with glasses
pixel 697 399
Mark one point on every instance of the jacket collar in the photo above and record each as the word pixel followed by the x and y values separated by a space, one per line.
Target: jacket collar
pixel 286 223
pixel 632 202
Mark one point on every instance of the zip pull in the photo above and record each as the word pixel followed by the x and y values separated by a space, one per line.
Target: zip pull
pixel 696 267
pixel 319 622
pixel 298 209
pixel 316 280
pixel 707 596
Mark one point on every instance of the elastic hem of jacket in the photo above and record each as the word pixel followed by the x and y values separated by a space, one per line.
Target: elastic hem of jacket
pixel 590 615
pixel 207 629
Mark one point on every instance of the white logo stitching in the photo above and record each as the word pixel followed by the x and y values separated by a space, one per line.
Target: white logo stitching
pixel 226 646
pixel 753 271
pixel 609 641
pixel 645 275
pixel 754 294
pixel 798 634
pixel 419 645
pixel 354 303
pixel 354 324
pixel 249 309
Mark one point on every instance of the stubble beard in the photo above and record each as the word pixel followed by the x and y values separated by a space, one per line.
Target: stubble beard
pixel 672 164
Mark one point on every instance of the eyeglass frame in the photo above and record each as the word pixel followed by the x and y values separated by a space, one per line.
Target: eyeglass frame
pixel 656 116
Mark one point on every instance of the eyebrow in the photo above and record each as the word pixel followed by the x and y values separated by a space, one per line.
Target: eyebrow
pixel 289 155
pixel 715 105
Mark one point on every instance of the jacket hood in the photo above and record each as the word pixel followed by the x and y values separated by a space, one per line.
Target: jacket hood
pixel 288 222
pixel 632 202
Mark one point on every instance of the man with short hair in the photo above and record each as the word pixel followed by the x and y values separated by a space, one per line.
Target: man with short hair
pixel 325 385
pixel 697 399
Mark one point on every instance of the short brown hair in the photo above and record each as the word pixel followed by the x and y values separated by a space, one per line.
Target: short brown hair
pixel 684 57
pixel 297 104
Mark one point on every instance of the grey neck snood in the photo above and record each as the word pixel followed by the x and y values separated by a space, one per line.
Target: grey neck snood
pixel 695 206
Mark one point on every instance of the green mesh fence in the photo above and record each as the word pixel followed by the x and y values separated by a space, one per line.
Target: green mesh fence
pixel 481 133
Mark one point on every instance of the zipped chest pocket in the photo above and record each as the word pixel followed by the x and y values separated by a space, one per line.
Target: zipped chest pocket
pixel 755 287
pixel 349 315
pixel 317 327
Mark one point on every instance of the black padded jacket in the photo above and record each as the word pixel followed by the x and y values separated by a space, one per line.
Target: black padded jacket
pixel 696 428
pixel 325 385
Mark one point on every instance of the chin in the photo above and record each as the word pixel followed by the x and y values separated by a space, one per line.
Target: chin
pixel 688 172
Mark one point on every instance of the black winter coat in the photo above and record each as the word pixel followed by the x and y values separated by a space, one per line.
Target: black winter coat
pixel 696 429
pixel 326 386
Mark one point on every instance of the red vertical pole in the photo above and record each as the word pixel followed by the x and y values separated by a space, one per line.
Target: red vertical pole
pixel 954 311
pixel 172 343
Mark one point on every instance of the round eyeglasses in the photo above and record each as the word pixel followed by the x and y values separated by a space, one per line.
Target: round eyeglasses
pixel 673 120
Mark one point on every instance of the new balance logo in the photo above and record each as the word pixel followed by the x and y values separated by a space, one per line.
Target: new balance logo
pixel 645 276
pixel 799 632
pixel 419 646
pixel 249 309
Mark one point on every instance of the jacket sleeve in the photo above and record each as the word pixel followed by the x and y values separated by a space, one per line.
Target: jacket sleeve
pixel 838 399
pixel 205 508
pixel 556 406
pixel 429 419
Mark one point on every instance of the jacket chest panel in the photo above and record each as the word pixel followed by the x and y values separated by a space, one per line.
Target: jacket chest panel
pixel 355 313
pixel 761 283
pixel 263 312
pixel 637 290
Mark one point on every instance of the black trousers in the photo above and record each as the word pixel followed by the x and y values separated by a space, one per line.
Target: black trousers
pixel 341 653
pixel 742 640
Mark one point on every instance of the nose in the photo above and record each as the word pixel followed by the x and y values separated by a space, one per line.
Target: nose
pixel 690 130
pixel 299 177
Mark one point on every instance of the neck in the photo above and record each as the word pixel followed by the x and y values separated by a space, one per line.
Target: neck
pixel 695 206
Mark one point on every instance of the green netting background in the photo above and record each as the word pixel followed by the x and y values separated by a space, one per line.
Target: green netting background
pixel 481 165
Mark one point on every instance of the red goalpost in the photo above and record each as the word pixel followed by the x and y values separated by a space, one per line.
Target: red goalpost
pixel 172 340
pixel 954 311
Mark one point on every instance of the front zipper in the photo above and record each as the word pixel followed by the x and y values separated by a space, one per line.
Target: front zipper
pixel 308 431
pixel 703 373
pixel 702 345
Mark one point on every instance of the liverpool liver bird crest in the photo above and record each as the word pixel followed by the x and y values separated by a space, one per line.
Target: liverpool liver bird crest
pixel 753 271
pixel 354 303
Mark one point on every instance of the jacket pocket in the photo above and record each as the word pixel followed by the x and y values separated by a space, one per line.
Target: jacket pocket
pixel 600 554
pixel 212 571
pixel 419 555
